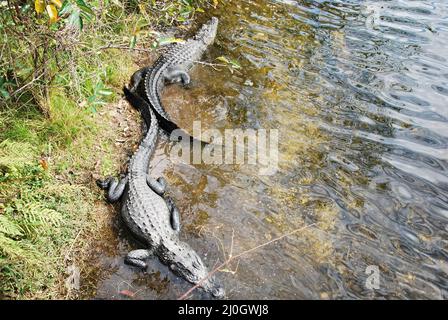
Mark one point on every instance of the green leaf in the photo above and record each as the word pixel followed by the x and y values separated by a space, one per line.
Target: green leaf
pixel 165 41
pixel 4 93
pixel 75 19
pixel 235 64
pixel 84 7
pixel 67 7
pixel 91 99
pixel 104 92
pixel 133 42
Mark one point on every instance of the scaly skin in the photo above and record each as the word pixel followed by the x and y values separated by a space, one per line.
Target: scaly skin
pixel 151 218
pixel 172 67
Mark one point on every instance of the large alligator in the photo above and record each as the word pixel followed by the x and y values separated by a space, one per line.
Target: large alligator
pixel 172 67
pixel 152 219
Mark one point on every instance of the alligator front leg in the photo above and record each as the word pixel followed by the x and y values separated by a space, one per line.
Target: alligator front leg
pixel 177 74
pixel 175 214
pixel 137 258
pixel 158 186
pixel 114 187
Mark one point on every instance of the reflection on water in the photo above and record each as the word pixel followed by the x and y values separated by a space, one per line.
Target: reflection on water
pixel 358 91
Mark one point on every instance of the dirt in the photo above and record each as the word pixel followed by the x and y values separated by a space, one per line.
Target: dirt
pixel 120 138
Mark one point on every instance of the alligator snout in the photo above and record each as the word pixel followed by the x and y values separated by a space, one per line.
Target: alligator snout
pixel 214 288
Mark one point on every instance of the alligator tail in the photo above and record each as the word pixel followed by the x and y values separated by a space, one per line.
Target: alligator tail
pixel 138 103
pixel 143 106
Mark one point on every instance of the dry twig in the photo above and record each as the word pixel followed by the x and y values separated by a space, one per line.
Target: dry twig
pixel 231 258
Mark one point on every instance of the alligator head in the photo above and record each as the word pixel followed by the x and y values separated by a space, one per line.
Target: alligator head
pixel 186 263
pixel 207 33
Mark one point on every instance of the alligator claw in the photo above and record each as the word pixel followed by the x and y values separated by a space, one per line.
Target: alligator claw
pixel 137 258
pixel 186 81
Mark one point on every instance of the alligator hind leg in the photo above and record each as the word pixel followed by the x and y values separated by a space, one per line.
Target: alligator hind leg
pixel 158 186
pixel 177 74
pixel 175 214
pixel 137 258
pixel 114 187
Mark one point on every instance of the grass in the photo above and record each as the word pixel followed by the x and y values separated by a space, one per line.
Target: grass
pixel 45 194
pixel 47 197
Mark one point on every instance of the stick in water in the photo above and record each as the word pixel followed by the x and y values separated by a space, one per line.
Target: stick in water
pixel 211 273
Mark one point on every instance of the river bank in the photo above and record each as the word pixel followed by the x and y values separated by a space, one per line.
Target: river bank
pixel 54 147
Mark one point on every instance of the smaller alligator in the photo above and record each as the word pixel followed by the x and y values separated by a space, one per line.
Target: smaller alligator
pixel 172 67
pixel 152 219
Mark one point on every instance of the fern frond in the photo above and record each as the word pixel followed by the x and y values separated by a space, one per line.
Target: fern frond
pixel 17 250
pixel 9 227
pixel 13 153
pixel 34 218
pixel 36 213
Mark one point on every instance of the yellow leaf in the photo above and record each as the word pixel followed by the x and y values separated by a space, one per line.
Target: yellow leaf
pixel 57 3
pixel 39 6
pixel 53 13
pixel 223 59
pixel 43 163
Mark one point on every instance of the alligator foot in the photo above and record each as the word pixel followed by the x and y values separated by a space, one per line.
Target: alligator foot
pixel 162 182
pixel 175 214
pixel 114 187
pixel 137 258
pixel 177 74
pixel 158 186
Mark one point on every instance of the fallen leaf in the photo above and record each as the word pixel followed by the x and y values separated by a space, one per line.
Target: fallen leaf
pixel 127 293
pixel 43 163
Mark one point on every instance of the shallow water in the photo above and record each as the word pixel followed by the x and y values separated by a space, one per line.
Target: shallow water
pixel 358 91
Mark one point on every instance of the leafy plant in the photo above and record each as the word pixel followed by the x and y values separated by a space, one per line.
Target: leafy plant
pixel 76 12
pixel 100 91
pixel 50 7
pixel 231 64
pixel 4 83
pixel 73 11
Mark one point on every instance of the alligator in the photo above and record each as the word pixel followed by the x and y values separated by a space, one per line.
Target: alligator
pixel 172 67
pixel 151 218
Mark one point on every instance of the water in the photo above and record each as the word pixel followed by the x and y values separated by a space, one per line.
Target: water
pixel 358 91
